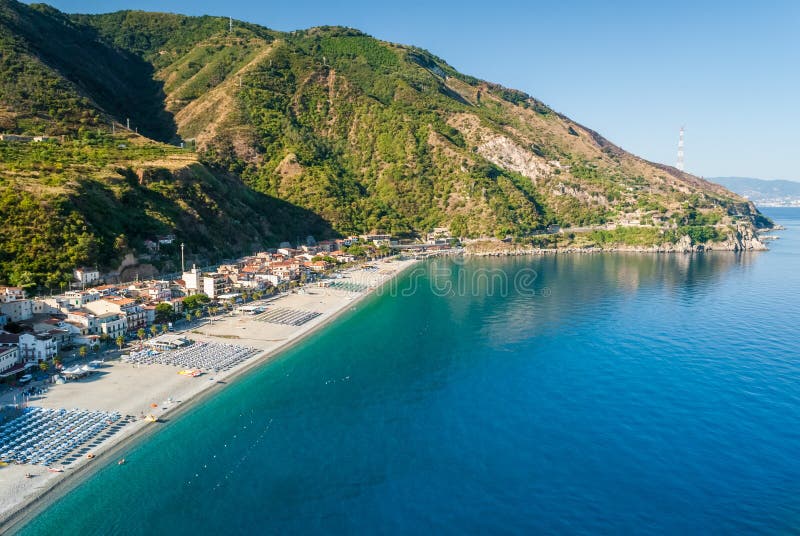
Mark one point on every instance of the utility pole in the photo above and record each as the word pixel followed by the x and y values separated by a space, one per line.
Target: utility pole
pixel 680 164
pixel 230 24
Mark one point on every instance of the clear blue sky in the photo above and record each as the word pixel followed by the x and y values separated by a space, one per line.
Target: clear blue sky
pixel 635 71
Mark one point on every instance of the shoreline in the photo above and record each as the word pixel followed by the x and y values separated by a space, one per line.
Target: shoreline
pixel 58 485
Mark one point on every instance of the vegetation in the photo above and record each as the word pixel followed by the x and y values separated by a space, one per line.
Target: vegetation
pixel 164 312
pixel 325 131
pixel 195 301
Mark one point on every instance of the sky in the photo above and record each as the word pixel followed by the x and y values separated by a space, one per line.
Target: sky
pixel 635 70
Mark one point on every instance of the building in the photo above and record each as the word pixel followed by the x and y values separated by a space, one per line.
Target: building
pixel 79 298
pixel 377 238
pixel 214 285
pixel 8 340
pixel 132 312
pixel 112 325
pixel 87 276
pixel 9 360
pixel 159 291
pixel 165 240
pixel 15 137
pixel 9 294
pixel 149 314
pixel 192 281
pixel 83 322
pixel 8 357
pixel 35 348
pixel 18 310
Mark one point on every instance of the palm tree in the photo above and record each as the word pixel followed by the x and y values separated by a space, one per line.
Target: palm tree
pixel 104 338
pixel 154 330
pixel 188 317
pixel 82 351
pixel 96 348
pixel 120 341
pixel 198 314
pixel 140 334
pixel 43 366
pixel 164 328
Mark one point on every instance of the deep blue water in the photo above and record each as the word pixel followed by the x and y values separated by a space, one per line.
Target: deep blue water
pixel 624 394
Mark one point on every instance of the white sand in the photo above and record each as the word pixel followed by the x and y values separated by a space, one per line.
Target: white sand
pixel 131 389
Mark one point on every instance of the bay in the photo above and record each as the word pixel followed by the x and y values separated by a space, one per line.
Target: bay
pixel 562 394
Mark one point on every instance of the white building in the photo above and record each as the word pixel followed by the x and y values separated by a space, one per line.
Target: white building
pixel 39 347
pixel 193 280
pixel 111 324
pixel 132 312
pixel 87 276
pixel 9 358
pixel 18 310
pixel 9 294
pixel 79 298
pixel 214 285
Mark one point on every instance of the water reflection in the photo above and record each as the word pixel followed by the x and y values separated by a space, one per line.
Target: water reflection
pixel 517 298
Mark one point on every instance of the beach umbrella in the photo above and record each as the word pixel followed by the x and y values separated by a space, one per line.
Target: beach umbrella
pixel 153 405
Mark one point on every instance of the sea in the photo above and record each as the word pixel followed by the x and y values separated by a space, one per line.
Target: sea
pixel 569 394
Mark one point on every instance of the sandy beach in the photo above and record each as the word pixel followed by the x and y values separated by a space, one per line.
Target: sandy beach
pixel 133 389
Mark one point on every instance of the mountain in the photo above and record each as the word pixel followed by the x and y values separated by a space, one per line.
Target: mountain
pixel 762 192
pixel 323 131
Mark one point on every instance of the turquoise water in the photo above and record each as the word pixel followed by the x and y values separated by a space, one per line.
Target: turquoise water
pixel 607 394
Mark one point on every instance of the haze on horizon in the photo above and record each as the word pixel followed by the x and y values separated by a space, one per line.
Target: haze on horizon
pixel 632 71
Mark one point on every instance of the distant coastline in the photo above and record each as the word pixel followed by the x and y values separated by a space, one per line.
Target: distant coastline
pixel 767 193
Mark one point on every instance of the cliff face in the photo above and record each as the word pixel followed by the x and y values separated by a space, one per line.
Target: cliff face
pixel 321 131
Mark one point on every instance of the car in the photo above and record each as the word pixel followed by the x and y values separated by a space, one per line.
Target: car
pixel 25 379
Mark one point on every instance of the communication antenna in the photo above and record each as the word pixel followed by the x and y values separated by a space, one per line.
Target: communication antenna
pixel 230 24
pixel 679 165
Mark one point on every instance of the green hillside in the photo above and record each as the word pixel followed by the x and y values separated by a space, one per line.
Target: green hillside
pixel 321 131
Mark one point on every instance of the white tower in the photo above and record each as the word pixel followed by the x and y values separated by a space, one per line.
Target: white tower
pixel 679 165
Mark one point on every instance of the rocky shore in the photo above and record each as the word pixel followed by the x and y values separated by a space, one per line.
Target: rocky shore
pixel 745 239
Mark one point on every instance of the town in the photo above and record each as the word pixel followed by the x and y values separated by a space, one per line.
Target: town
pixel 38 335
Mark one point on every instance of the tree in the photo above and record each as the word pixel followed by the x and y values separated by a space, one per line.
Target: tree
pixel 82 351
pixel 164 312
pixel 96 348
pixel 198 314
pixel 140 333
pixel 195 301
pixel 154 330
pixel 104 338
pixel 43 366
pixel 164 328
pixel 120 341
pixel 188 317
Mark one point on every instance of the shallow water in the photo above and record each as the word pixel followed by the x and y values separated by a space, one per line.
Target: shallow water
pixel 570 394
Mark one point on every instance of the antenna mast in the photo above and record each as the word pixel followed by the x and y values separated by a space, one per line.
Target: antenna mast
pixel 679 165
